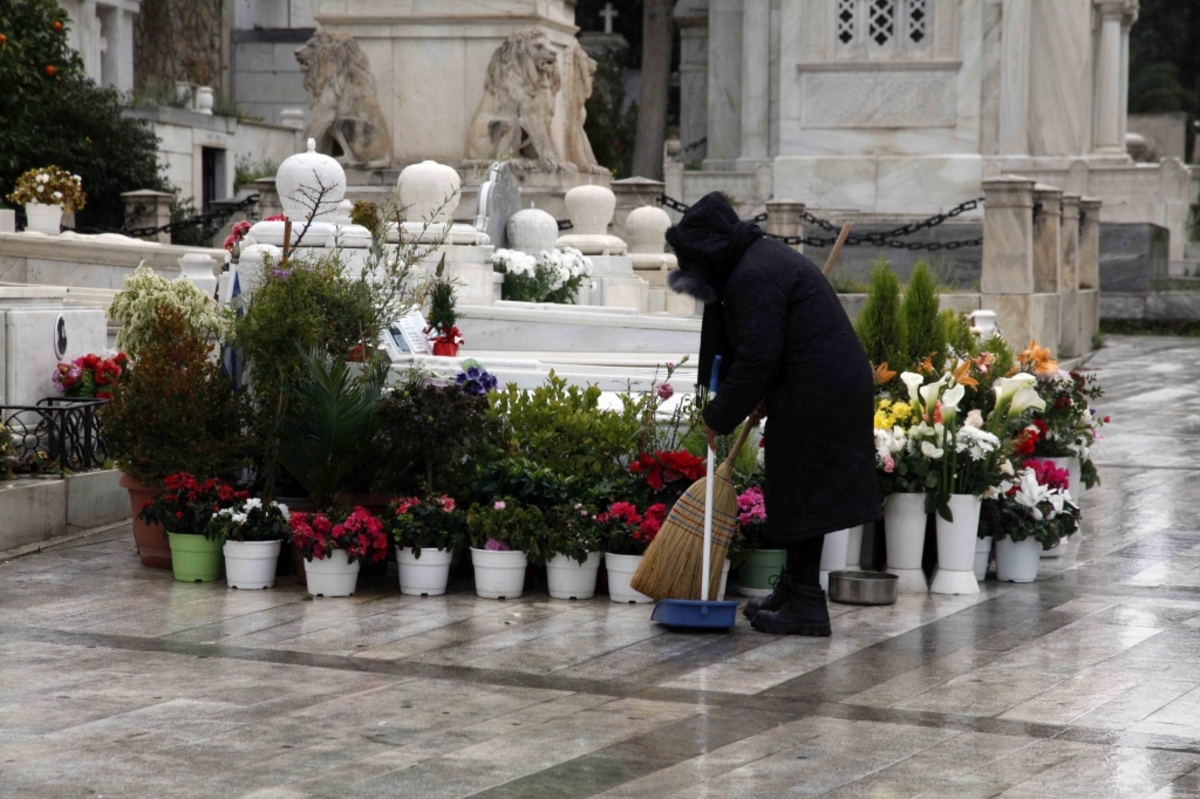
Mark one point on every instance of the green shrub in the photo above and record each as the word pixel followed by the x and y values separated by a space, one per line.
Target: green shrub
pixel 880 326
pixel 956 332
pixel 921 307
pixel 564 429
pixel 144 293
pixel 175 410
pixel 52 113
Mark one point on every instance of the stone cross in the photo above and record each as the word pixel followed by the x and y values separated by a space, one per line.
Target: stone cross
pixel 609 13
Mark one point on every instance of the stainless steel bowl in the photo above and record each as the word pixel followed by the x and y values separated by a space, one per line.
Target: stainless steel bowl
pixel 863 588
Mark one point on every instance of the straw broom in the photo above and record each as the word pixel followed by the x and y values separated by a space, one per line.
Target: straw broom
pixel 672 564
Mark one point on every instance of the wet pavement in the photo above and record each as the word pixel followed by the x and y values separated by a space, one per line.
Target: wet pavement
pixel 117 681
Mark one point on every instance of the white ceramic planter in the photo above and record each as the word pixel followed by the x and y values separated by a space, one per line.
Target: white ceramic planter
pixel 833 555
pixel 42 218
pixel 570 579
pixel 956 547
pixel 1055 551
pixel 204 100
pixel 904 520
pixel 1017 562
pixel 251 564
pixel 499 575
pixel 426 575
pixel 983 554
pixel 620 571
pixel 854 549
pixel 331 576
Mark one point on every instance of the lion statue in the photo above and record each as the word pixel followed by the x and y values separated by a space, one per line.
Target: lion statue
pixel 579 70
pixel 514 118
pixel 341 91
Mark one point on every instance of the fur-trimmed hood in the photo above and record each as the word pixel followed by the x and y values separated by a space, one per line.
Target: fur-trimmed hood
pixel 709 242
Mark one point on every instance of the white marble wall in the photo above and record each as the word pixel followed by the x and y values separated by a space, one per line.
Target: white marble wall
pixel 1060 109
pixel 101 31
pixel 724 82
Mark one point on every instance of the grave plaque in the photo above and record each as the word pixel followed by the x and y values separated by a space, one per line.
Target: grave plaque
pixel 499 199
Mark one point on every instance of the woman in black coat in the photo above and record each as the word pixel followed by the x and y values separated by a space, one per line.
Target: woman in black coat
pixel 784 339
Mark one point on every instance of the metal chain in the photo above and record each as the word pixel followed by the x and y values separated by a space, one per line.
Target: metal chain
pixel 887 238
pixel 219 216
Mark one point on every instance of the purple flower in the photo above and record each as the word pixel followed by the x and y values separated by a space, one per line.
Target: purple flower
pixel 493 545
pixel 281 274
pixel 665 392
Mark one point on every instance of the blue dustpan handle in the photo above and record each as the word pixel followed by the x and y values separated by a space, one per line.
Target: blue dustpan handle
pixel 714 382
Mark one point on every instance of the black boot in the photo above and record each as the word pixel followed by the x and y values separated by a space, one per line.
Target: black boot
pixel 772 601
pixel 803 612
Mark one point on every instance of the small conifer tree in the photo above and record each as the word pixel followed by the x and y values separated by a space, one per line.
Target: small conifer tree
pixel 926 333
pixel 879 326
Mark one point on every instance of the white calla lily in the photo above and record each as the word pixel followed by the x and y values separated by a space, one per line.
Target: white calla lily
pixel 1025 399
pixel 914 382
pixel 950 400
pixel 1007 387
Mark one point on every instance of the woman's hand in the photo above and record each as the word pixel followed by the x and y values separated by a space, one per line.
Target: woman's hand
pixel 758 414
pixel 712 437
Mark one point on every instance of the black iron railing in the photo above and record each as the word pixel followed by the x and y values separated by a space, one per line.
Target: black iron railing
pixel 59 432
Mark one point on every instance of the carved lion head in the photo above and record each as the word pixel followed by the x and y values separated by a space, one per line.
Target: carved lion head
pixel 332 55
pixel 526 57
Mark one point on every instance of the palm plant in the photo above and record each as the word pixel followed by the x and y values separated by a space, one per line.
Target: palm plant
pixel 330 424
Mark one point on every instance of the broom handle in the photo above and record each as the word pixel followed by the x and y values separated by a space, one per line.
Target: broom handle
pixel 706 558
pixel 737 446
pixel 837 248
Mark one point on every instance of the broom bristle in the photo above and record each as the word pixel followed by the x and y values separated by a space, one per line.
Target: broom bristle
pixel 673 562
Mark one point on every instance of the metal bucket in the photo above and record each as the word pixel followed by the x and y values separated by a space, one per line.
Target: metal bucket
pixel 863 588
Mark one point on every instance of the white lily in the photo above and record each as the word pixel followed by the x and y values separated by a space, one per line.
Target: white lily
pixel 914 382
pixel 950 400
pixel 930 451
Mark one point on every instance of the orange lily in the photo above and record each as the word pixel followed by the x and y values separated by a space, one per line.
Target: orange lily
pixel 884 375
pixel 1039 358
pixel 926 366
pixel 962 375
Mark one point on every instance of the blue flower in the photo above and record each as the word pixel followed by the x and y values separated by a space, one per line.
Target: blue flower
pixel 473 372
pixel 461 379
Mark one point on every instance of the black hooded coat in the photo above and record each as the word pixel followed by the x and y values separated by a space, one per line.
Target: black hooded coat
pixel 783 336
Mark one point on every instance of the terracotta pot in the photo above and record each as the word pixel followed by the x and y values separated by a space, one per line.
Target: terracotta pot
pixel 152 543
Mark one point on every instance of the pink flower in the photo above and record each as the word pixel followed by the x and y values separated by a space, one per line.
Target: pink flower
pixel 499 505
pixel 493 545
pixel 665 392
pixel 889 464
pixel 447 504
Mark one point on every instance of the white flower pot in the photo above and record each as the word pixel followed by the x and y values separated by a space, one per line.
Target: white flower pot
pixel 204 99
pixel 854 549
pixel 620 572
pixel 833 555
pixel 570 579
pixel 904 520
pixel 251 564
pixel 1055 551
pixel 956 547
pixel 42 218
pixel 499 575
pixel 1017 561
pixel 426 575
pixel 983 554
pixel 334 575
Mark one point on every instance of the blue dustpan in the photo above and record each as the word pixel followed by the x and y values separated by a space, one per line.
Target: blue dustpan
pixel 701 613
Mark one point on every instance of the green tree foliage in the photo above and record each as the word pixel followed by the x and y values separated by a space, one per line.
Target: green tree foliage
pixel 1165 60
pixel 925 334
pixel 52 113
pixel 610 126
pixel 956 332
pixel 880 325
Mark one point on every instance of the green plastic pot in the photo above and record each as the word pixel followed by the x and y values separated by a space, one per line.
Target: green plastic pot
pixel 194 558
pixel 760 570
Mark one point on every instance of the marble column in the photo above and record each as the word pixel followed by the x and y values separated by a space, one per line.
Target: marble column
pixel 1008 235
pixel 1089 243
pixel 1070 336
pixel 1127 21
pixel 783 219
pixel 756 83
pixel 691 17
pixel 724 83
pixel 89 30
pixel 1109 82
pixel 1015 38
pixel 1047 239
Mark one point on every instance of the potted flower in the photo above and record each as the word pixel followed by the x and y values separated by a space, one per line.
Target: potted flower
pixel 904 473
pixel 1065 430
pixel 172 411
pixel 574 541
pixel 1031 514
pixel 628 534
pixel 90 376
pixel 333 546
pixel 253 532
pixel 184 509
pixel 46 193
pixel 504 535
pixel 427 534
pixel 760 566
pixel 443 335
pixel 960 455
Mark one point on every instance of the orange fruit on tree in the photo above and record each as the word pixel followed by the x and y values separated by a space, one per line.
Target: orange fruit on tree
pixel 58 26
pixel 50 70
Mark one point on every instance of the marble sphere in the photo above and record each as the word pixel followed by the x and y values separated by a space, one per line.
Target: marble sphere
pixel 299 181
pixel 591 209
pixel 429 192
pixel 532 231
pixel 646 229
